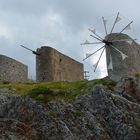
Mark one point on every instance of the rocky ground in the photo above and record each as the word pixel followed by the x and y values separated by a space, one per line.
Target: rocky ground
pixel 102 114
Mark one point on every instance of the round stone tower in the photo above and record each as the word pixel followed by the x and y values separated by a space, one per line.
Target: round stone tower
pixel 53 66
pixel 44 64
pixel 127 66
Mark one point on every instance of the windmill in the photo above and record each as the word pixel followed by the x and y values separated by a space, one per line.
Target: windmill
pixel 110 42
pixel 34 52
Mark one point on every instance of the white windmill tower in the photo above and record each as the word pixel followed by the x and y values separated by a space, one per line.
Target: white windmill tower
pixel 121 51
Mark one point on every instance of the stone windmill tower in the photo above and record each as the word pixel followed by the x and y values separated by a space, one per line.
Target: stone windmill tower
pixel 53 66
pixel 122 52
pixel 127 61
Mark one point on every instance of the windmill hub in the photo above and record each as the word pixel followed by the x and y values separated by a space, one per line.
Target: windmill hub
pixel 107 42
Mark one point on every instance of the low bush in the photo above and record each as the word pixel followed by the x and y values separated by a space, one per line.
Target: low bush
pixel 137 74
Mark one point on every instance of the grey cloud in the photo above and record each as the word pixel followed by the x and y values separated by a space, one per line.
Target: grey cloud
pixel 24 7
pixel 61 24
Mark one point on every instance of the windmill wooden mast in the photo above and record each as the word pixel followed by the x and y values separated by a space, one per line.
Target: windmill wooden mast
pixel 34 52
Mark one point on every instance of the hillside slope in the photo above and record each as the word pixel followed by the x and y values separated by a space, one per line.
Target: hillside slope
pixel 102 114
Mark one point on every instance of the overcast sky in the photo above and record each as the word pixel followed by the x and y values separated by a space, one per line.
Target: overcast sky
pixel 63 25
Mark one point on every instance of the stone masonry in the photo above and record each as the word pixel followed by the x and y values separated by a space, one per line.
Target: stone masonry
pixel 53 66
pixel 12 70
pixel 130 65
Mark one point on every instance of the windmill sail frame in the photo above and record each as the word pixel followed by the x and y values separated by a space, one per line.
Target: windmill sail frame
pixel 107 42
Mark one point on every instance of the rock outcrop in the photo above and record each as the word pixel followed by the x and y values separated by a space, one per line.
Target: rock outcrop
pixel 100 115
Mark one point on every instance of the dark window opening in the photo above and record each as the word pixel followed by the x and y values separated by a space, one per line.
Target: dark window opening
pixel 60 60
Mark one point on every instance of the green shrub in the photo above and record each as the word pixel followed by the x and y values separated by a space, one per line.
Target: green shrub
pixel 137 74
pixel 79 113
pixel 40 94
pixel 40 97
pixel 137 125
pixel 39 91
pixel 5 82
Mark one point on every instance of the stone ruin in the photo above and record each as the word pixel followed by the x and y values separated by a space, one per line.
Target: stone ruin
pixel 53 66
pixel 12 70
pixel 130 65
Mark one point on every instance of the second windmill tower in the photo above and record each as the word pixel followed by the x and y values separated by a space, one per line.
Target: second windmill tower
pixel 122 52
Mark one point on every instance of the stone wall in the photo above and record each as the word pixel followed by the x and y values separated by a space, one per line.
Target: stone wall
pixel 52 65
pixel 12 70
pixel 130 65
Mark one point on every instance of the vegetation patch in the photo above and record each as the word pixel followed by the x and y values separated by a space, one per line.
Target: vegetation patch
pixel 137 125
pixel 79 113
pixel 4 82
pixel 137 74
pixel 45 92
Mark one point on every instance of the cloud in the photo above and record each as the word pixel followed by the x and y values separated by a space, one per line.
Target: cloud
pixel 59 24
pixel 24 7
